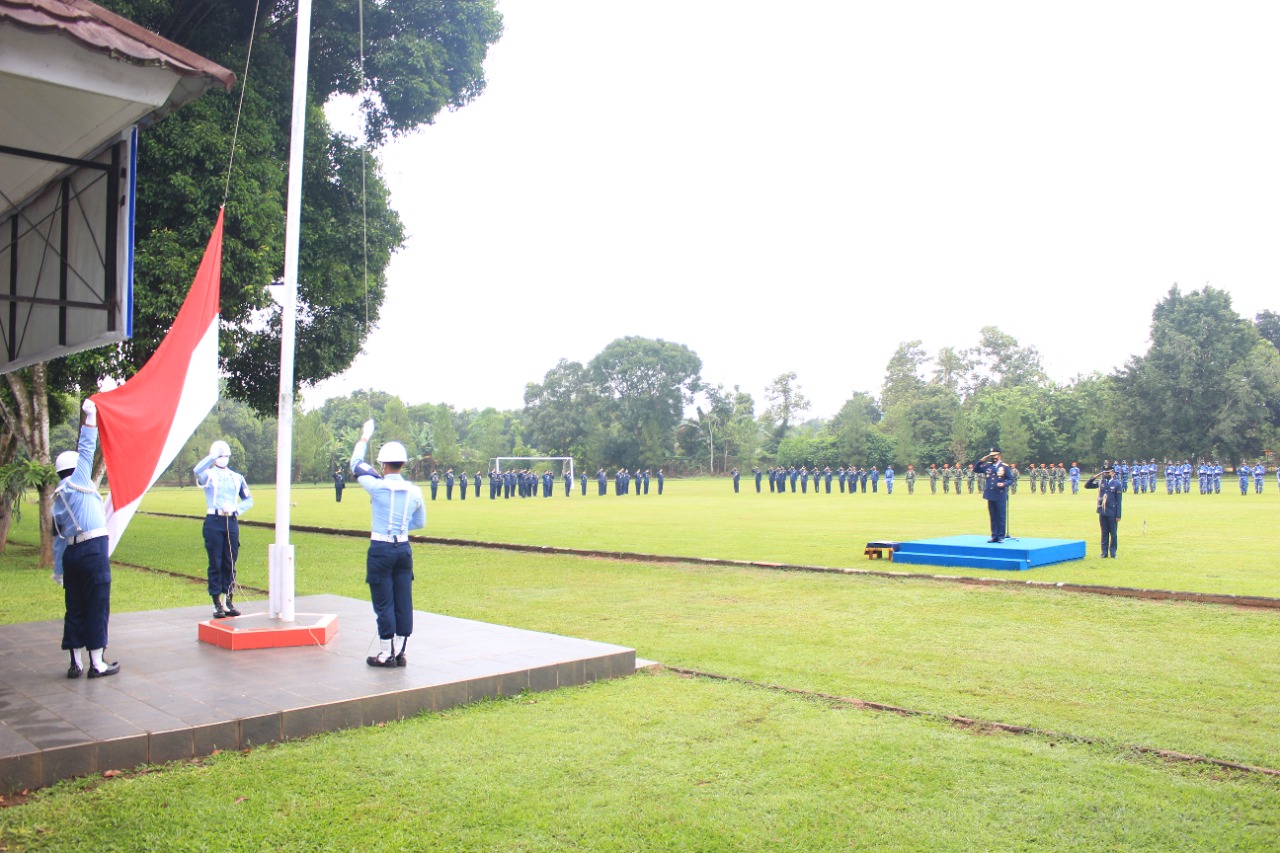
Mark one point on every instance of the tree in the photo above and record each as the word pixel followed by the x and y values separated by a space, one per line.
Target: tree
pixel 902 374
pixel 999 360
pixel 1268 325
pixel 644 386
pixel 854 428
pixel 1208 383
pixel 562 411
pixel 785 402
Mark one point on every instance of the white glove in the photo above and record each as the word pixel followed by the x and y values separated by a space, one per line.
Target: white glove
pixel 90 413
pixel 57 578
pixel 367 433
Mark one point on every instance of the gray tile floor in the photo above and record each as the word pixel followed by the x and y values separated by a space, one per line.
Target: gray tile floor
pixel 176 697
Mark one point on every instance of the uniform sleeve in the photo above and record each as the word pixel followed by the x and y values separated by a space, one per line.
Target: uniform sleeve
pixel 201 467
pixel 246 499
pixel 419 518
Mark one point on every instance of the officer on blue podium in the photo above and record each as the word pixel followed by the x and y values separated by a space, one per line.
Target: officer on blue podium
pixel 996 491
pixel 397 508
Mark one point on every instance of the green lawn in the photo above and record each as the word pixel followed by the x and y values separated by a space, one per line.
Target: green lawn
pixel 665 762
pixel 1214 543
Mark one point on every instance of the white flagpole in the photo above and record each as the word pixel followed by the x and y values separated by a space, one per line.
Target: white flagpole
pixel 281 553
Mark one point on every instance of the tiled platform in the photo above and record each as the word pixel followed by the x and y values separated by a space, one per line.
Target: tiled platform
pixel 177 698
pixel 975 552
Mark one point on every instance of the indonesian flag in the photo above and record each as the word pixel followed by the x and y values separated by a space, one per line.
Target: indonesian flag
pixel 144 423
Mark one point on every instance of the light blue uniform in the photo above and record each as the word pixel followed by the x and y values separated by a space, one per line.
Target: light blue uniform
pixel 397 507
pixel 80 551
pixel 226 496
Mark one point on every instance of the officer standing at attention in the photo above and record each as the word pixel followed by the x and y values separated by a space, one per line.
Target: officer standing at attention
pixel 996 492
pixel 80 561
pixel 397 508
pixel 911 479
pixel 339 483
pixel 435 483
pixel 661 479
pixel 888 478
pixel 1244 471
pixel 1110 492
pixel 462 484
pixel 1075 478
pixel 756 472
pixel 933 479
pixel 226 496
pixel 1259 474
pixel 736 477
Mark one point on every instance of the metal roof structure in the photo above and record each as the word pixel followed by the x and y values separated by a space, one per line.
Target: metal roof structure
pixel 75 79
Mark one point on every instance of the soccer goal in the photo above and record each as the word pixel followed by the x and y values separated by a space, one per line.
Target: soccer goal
pixel 509 462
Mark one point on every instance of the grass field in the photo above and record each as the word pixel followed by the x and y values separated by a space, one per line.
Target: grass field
pixel 668 762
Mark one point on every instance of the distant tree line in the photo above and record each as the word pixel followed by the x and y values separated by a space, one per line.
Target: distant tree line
pixel 1207 387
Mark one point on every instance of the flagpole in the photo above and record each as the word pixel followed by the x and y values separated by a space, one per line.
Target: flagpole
pixel 281 592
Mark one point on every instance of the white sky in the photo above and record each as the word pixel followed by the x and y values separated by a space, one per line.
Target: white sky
pixel 802 186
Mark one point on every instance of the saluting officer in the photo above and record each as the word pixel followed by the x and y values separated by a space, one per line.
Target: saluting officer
pixel 80 545
pixel 1110 492
pixel 397 508
pixel 226 496
pixel 996 492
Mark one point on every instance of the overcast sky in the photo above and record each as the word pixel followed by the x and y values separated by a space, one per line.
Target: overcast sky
pixel 803 186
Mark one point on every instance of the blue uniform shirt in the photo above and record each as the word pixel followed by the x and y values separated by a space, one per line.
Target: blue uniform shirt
pixel 397 504
pixel 77 506
pixel 225 491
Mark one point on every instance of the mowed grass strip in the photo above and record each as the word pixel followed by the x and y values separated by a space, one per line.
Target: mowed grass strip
pixel 658 762
pixel 1221 543
pixel 1199 679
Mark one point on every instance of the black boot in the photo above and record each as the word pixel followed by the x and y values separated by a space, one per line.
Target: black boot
pixel 231 608
pixel 218 612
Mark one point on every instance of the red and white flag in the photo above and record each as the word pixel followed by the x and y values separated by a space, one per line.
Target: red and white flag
pixel 144 423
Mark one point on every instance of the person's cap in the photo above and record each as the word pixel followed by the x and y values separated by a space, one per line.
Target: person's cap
pixel 1108 468
pixel 219 448
pixel 995 450
pixel 67 460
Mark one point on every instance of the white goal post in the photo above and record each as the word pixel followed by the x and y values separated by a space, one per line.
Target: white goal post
pixel 566 462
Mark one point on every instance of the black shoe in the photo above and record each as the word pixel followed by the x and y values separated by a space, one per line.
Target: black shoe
pixel 112 669
pixel 401 660
pixel 231 610
pixel 373 660
pixel 74 670
pixel 218 612
pixel 993 539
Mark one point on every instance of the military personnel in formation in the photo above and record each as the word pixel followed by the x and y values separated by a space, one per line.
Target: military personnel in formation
pixel 875 479
pixel 982 481
pixel 946 479
pixel 462 486
pixel 840 477
pixel 853 479
pixel 1074 474
pixel 1044 478
pixel 933 479
pixel 661 479
pixel 435 483
pixel 804 479
pixel 888 478
pixel 1259 474
pixel 826 477
pixel 1244 472
pixel 1217 477
pixel 736 478
pixel 863 476
pixel 477 485
pixel 756 473
pixel 1062 478
pixel 910 477
pixel 1014 476
pixel 971 477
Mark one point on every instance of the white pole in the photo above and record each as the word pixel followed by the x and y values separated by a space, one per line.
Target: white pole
pixel 281 555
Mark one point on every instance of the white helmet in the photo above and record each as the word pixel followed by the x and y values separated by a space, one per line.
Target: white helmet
pixel 219 448
pixel 67 461
pixel 393 451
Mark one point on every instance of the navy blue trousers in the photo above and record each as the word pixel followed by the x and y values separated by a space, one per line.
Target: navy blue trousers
pixel 86 587
pixel 222 544
pixel 389 573
pixel 998 511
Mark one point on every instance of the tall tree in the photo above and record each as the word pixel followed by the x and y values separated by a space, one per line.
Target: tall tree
pixel 786 400
pixel 1209 382
pixel 645 384
pixel 562 411
pixel 1000 360
pixel 902 374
